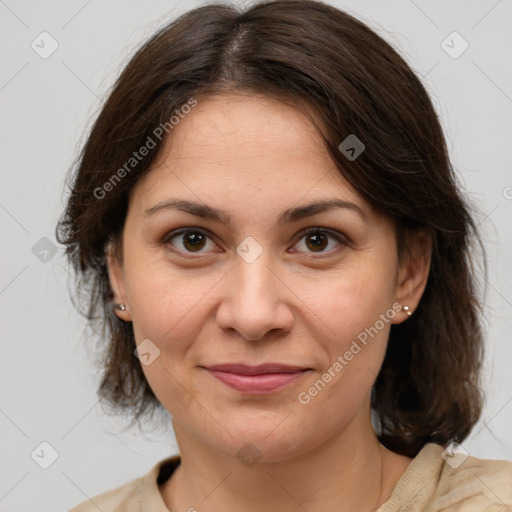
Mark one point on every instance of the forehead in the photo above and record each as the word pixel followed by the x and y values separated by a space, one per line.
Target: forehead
pixel 233 146
pixel 250 131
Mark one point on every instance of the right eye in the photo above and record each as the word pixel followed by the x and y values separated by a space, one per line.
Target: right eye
pixel 188 240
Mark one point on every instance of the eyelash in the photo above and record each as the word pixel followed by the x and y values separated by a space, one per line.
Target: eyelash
pixel 304 233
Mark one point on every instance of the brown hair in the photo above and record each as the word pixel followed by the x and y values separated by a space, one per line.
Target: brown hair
pixel 304 52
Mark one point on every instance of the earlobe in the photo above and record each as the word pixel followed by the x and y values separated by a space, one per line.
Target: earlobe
pixel 413 273
pixel 116 277
pixel 407 310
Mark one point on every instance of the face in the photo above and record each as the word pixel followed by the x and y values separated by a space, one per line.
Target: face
pixel 240 271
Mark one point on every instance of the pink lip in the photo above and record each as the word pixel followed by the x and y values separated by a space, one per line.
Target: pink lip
pixel 261 379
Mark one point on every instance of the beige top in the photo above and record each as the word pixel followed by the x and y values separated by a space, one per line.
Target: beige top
pixel 429 484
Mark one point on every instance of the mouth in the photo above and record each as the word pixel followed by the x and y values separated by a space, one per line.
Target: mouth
pixel 262 379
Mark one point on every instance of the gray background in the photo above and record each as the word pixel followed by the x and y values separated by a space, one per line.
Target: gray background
pixel 47 379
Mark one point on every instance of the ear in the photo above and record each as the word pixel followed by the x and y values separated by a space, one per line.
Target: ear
pixel 413 272
pixel 117 280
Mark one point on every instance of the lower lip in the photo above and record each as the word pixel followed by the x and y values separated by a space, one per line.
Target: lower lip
pixel 256 384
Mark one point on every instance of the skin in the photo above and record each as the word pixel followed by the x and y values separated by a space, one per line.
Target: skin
pixel 254 157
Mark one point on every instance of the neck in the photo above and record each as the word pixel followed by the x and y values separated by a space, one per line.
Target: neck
pixel 350 471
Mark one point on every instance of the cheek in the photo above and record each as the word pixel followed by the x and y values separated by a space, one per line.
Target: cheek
pixel 357 339
pixel 170 310
pixel 349 301
pixel 354 341
pixel 167 305
pixel 353 312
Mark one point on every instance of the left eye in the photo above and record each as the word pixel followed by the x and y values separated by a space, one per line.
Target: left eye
pixel 317 239
pixel 194 240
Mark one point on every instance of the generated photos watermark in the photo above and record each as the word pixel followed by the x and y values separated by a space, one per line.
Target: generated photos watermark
pixel 305 397
pixel 137 156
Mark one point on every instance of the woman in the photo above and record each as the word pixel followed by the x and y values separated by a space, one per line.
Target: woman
pixel 272 233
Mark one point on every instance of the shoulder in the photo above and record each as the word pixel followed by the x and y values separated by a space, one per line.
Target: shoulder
pixel 138 495
pixel 452 481
pixel 468 483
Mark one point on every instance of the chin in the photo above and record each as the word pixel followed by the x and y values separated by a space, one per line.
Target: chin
pixel 269 441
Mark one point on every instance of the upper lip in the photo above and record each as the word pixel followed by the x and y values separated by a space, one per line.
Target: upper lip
pixel 243 369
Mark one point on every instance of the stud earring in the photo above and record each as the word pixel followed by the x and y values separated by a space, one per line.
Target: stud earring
pixel 120 307
pixel 407 309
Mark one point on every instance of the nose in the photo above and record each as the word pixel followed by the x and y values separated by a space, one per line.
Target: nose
pixel 255 300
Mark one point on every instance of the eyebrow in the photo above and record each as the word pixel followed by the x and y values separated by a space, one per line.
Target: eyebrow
pixel 290 215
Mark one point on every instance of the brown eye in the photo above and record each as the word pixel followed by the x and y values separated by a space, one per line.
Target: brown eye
pixel 317 240
pixel 189 240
